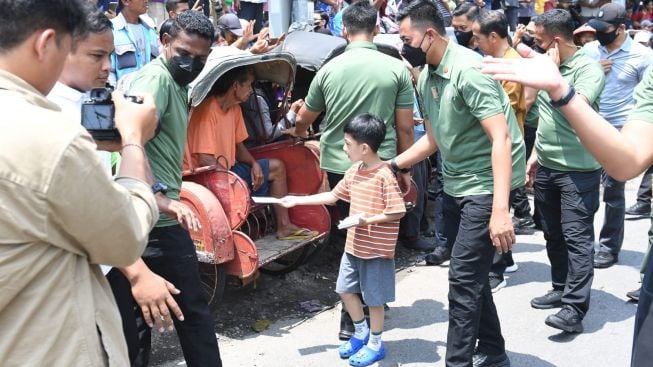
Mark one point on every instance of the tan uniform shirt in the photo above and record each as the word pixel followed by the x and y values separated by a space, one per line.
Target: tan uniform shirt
pixel 60 216
pixel 516 93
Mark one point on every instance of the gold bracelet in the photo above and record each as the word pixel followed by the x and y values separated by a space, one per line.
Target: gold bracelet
pixel 134 145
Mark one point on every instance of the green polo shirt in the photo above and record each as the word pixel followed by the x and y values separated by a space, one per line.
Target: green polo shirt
pixel 643 96
pixel 361 80
pixel 166 151
pixel 456 97
pixel 557 144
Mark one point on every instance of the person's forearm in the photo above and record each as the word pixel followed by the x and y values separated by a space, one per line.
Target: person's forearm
pixel 417 152
pixel 619 154
pixel 243 155
pixel 324 198
pixel 134 162
pixel 132 272
pixel 241 43
pixel 304 119
pixel 383 218
pixel 501 173
pixel 405 129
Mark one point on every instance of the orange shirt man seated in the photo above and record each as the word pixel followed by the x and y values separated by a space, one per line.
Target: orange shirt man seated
pixel 216 133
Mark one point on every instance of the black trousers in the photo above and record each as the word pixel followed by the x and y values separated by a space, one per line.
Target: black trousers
pixel 440 233
pixel 411 222
pixel 566 203
pixel 472 313
pixel 252 11
pixel 643 338
pixel 612 233
pixel 170 253
pixel 645 188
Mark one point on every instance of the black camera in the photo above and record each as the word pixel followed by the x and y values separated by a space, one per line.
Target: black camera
pixel 98 114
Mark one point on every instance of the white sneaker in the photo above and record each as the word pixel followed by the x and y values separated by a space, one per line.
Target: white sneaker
pixel 511 269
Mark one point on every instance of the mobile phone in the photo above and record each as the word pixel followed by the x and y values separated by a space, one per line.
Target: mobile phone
pixel 113 6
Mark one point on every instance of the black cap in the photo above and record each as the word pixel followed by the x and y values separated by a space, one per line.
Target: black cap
pixel 610 13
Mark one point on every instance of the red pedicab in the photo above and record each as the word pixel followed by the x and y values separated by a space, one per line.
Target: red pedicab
pixel 238 236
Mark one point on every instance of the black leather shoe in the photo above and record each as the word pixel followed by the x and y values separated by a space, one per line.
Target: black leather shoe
pixel 524 225
pixel 639 210
pixel 346 327
pixel 438 256
pixel 418 244
pixel 567 320
pixel 551 299
pixel 485 360
pixel 634 295
pixel 604 259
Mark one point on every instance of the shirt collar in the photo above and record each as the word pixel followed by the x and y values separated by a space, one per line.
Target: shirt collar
pixel 68 93
pixel 570 62
pixel 361 44
pixel 444 69
pixel 625 46
pixel 119 22
pixel 14 83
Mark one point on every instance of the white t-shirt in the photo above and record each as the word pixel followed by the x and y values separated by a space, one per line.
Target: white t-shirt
pixel 70 101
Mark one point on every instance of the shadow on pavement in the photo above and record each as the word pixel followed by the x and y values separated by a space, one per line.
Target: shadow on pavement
pixel 421 313
pixel 519 359
pixel 530 271
pixel 399 352
pixel 527 247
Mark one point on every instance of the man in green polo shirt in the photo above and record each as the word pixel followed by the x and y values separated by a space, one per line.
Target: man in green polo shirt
pixel 567 179
pixel 471 122
pixel 361 80
pixel 170 253
pixel 623 155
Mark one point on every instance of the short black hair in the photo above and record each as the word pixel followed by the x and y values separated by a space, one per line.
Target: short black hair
pixel 238 74
pixel 165 28
pixel 468 10
pixel 19 19
pixel 359 17
pixel 193 22
pixel 171 5
pixel 493 21
pixel 423 14
pixel 323 15
pixel 557 22
pixel 367 128
pixel 96 22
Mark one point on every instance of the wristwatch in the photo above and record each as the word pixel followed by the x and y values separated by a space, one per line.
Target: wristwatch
pixel 565 99
pixel 159 187
pixel 395 167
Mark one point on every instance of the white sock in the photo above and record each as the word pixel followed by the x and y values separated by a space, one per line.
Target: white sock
pixel 361 329
pixel 375 342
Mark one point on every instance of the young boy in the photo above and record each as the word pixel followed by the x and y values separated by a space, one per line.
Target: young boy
pixel 367 266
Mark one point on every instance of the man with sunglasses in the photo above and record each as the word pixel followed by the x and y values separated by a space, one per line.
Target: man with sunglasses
pixel 566 177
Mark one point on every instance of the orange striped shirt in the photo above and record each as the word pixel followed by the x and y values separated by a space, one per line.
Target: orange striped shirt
pixel 371 192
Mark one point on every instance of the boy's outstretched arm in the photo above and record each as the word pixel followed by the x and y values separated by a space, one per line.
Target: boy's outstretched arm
pixel 380 218
pixel 318 199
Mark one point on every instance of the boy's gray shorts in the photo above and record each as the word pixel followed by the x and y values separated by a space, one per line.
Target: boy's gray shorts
pixel 373 278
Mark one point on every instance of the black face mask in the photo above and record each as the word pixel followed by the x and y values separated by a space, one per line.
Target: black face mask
pixel 414 55
pixel 184 69
pixel 528 40
pixel 463 38
pixel 606 38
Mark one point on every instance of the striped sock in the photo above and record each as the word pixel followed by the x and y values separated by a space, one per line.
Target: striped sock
pixel 361 329
pixel 375 342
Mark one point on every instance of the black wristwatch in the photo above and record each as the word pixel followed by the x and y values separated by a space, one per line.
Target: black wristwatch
pixel 159 187
pixel 395 167
pixel 565 99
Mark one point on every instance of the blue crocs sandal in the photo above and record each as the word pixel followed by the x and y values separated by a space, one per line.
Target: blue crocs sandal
pixel 353 345
pixel 366 356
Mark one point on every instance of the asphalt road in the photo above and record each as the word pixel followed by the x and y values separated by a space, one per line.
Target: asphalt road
pixel 416 325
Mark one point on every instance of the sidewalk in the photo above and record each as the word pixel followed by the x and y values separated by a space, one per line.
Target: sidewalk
pixel 416 325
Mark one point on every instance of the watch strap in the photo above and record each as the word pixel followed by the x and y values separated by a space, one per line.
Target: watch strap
pixel 571 92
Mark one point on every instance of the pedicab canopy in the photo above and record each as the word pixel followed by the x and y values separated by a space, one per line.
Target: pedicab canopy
pixel 277 67
pixel 309 48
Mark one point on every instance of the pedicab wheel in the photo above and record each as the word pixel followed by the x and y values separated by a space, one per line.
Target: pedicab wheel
pixel 286 263
pixel 214 279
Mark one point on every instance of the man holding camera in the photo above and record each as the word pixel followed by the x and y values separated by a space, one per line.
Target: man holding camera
pixel 87 67
pixel 57 203
pixel 170 252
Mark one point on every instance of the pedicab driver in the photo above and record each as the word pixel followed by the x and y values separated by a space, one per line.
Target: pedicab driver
pixel 216 136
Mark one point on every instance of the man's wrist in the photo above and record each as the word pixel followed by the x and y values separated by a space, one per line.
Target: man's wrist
pixel 560 91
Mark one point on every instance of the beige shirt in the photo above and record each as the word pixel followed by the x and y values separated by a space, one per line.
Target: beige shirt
pixel 60 216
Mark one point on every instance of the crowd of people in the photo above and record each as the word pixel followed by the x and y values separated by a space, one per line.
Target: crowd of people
pixel 102 221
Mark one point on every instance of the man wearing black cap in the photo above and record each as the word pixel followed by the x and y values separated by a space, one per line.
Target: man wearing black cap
pixel 624 62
